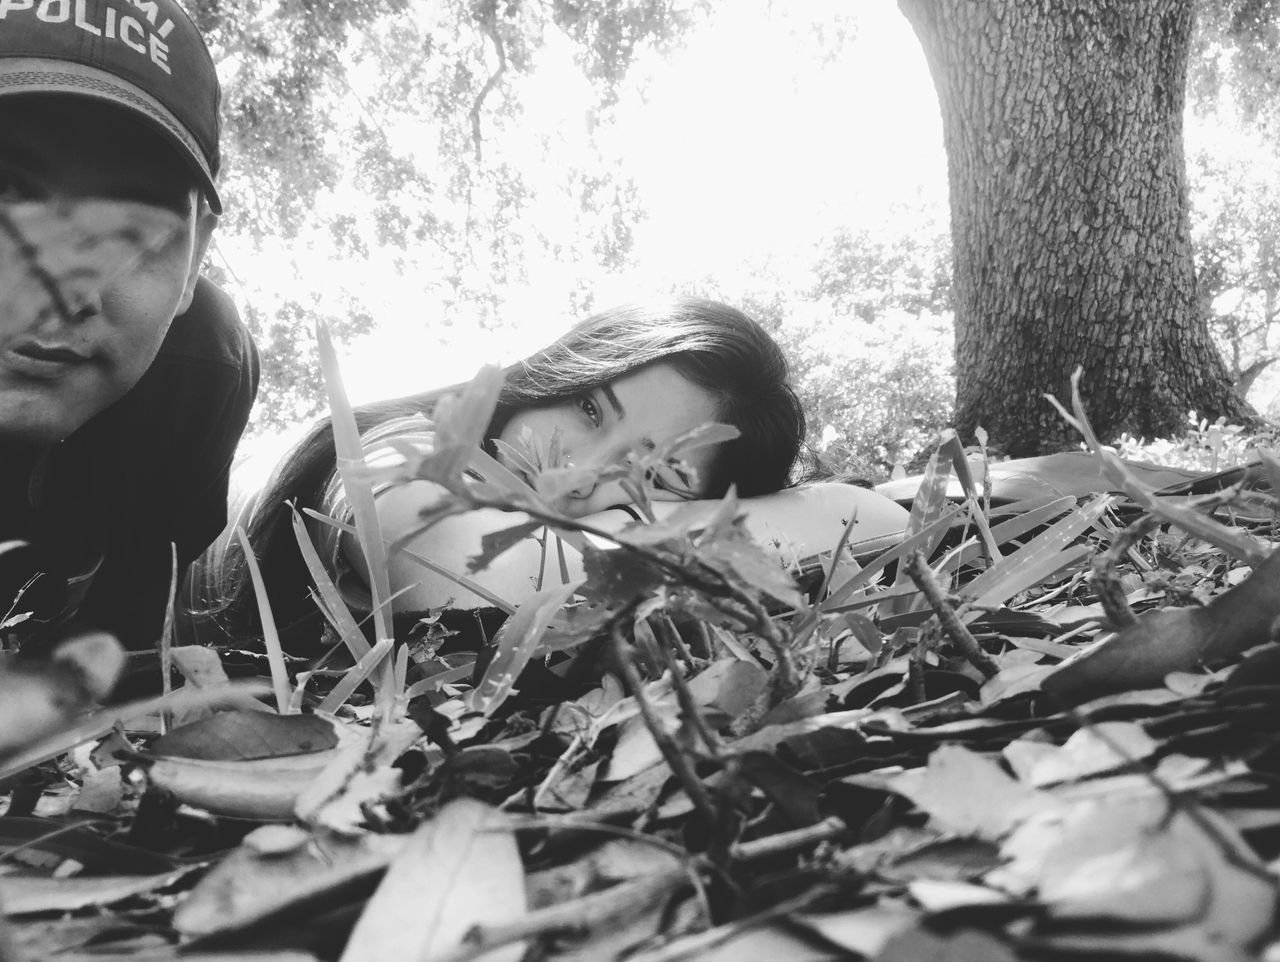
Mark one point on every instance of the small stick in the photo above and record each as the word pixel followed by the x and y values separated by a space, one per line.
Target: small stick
pixel 920 572
pixel 786 841
pixel 689 708
pixel 785 679
pixel 561 766
pixel 670 634
pixel 915 665
pixel 676 759
pixel 698 944
pixel 1105 582
pixel 166 638
pixel 585 913
pixel 575 915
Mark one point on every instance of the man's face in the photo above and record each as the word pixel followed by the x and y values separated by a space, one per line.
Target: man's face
pixel 57 372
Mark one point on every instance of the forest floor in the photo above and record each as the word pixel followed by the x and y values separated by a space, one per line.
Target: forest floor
pixel 1030 731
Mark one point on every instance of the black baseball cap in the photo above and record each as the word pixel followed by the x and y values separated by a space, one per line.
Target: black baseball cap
pixel 143 55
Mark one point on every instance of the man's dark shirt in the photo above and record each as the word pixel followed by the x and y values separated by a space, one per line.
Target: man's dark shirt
pixel 101 508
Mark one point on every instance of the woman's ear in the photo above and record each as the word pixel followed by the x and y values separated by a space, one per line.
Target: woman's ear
pixel 202 234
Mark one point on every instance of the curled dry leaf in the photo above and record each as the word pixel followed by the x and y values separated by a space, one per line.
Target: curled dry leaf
pixel 1089 751
pixel 968 794
pixel 1173 639
pixel 28 895
pixel 245 735
pixel 263 788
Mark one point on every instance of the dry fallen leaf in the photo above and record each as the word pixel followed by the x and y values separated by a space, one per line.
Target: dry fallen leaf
pixel 246 735
pixel 458 870
pixel 1173 639
pixel 967 794
pixel 1090 751
pixel 251 884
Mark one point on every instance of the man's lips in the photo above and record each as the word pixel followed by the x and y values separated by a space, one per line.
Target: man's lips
pixel 35 359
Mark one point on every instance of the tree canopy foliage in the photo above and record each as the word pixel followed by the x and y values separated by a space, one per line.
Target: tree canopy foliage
pixel 410 153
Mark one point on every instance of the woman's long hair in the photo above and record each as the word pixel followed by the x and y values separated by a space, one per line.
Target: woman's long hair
pixel 715 346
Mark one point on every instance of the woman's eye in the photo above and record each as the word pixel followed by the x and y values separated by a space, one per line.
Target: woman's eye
pixel 590 408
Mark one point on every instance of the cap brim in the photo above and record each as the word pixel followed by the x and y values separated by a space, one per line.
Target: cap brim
pixel 31 75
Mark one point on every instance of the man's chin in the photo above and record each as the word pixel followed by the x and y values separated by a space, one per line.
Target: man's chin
pixel 21 425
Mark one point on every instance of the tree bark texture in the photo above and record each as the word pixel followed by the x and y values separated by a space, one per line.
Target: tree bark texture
pixel 1062 122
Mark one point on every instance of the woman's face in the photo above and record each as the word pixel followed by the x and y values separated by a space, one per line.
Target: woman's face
pixel 637 412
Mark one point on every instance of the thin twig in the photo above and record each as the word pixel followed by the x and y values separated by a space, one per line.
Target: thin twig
pixel 676 759
pixel 693 946
pixel 577 915
pixel 786 679
pixel 570 755
pixel 787 841
pixel 166 637
pixel 491 31
pixel 1105 582
pixel 585 913
pixel 671 635
pixel 916 689
pixel 920 572
pixel 690 709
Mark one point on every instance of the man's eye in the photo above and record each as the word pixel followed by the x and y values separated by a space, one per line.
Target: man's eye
pixel 590 408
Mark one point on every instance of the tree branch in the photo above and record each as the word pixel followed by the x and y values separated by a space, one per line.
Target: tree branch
pixel 489 26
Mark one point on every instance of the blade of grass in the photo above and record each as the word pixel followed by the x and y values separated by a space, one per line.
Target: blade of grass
pixel 1015 527
pixel 401 666
pixel 516 642
pixel 1238 544
pixel 340 616
pixel 166 635
pixel 270 637
pixel 497 473
pixel 462 580
pixel 952 448
pixel 928 505
pixel 931 497
pixel 356 674
pixel 1030 564
pixel 427 563
pixel 905 547
pixel 439 680
pixel 359 492
pixel 809 621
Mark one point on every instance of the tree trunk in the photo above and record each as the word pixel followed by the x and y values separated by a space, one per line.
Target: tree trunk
pixel 1062 122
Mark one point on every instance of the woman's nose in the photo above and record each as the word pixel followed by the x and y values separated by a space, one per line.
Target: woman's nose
pixel 591 493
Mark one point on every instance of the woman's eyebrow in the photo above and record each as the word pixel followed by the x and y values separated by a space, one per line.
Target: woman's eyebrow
pixel 607 391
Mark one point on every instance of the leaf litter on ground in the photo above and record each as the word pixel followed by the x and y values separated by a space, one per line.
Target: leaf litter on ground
pixel 892 802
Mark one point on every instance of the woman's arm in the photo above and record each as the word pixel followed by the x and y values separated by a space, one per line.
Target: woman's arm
pixel 796 523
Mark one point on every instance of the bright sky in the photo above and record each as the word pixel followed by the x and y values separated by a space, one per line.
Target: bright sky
pixel 747 148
